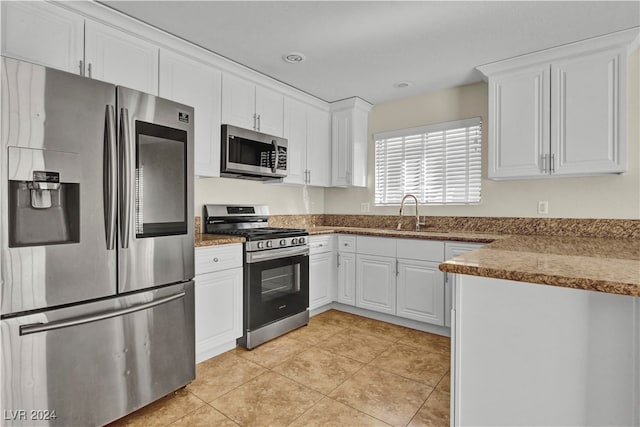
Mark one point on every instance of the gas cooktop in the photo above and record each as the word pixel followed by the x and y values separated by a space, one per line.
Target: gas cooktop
pixel 261 233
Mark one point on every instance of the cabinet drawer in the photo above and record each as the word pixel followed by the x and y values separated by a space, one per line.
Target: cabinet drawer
pixel 381 246
pixel 424 250
pixel 217 258
pixel 320 244
pixel 347 244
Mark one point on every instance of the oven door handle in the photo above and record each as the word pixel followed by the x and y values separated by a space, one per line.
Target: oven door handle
pixel 267 255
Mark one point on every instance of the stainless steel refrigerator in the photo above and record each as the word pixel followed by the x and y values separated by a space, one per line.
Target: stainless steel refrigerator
pixel 97 248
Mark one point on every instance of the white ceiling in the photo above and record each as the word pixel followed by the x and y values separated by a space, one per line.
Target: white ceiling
pixel 361 48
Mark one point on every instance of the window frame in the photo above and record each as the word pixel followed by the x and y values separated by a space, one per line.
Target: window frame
pixel 418 138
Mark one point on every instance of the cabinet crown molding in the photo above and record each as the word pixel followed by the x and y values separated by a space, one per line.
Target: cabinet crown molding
pixel 350 103
pixel 626 39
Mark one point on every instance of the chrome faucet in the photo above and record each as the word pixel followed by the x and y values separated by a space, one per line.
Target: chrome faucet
pixel 418 223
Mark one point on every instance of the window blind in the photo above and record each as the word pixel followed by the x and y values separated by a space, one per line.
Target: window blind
pixel 439 164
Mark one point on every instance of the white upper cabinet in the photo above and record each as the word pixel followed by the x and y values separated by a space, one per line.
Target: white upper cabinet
pixel 116 57
pixel 350 142
pixel 519 123
pixel 197 84
pixel 308 134
pixel 46 34
pixel 318 147
pixel 588 121
pixel 43 33
pixel 295 131
pixel 250 106
pixel 560 112
pixel 269 111
pixel 238 102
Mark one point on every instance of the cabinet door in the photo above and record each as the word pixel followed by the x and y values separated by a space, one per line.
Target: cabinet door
pixel 318 147
pixel 322 275
pixel 218 306
pixel 116 57
pixel 519 123
pixel 347 278
pixel 43 33
pixel 238 102
pixel 376 283
pixel 270 111
pixel 199 85
pixel 295 130
pixel 587 129
pixel 421 291
pixel 341 125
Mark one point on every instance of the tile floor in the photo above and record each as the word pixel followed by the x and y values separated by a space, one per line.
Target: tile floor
pixel 340 370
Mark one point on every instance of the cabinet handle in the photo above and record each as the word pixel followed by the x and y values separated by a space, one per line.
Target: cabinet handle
pixel 258 121
pixel 255 121
pixel 309 178
pixel 397 267
pixel 552 165
pixel 544 163
pixel 82 68
pixel 89 69
pixel 338 259
pixel 321 245
pixel 215 259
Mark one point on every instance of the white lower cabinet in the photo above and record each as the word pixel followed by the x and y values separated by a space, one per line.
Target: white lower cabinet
pixel 218 299
pixel 347 270
pixel 347 278
pixel 395 276
pixel 322 271
pixel 420 288
pixel 376 283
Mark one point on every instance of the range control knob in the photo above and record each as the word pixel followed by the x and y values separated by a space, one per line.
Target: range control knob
pixel 301 240
pixel 294 241
pixel 260 245
pixel 269 243
pixel 283 242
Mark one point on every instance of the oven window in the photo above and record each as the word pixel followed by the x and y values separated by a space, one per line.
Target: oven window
pixel 161 180
pixel 280 281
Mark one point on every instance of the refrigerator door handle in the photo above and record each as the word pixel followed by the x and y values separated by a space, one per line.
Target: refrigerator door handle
pixel 110 178
pixel 81 320
pixel 125 178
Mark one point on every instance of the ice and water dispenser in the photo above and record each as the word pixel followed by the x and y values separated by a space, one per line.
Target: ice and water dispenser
pixel 44 197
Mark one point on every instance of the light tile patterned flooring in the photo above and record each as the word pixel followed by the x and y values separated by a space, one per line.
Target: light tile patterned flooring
pixel 340 370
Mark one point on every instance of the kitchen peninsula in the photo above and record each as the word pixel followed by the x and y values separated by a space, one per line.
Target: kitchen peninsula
pixel 546 331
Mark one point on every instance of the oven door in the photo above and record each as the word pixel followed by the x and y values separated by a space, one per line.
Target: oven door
pixel 275 288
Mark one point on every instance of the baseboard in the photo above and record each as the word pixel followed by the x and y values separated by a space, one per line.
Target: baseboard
pixel 413 324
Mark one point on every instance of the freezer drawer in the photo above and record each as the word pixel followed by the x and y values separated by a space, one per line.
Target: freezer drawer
pixel 91 364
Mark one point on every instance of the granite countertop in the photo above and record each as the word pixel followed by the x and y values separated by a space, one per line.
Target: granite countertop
pixel 458 236
pixel 595 264
pixel 589 263
pixel 216 239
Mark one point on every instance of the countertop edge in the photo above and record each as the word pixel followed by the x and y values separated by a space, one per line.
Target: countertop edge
pixel 582 283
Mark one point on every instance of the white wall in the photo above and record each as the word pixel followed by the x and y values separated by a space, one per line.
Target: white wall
pixel 612 196
pixel 281 199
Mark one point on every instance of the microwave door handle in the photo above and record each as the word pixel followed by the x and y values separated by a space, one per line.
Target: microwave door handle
pixel 274 165
pixel 125 178
pixel 110 178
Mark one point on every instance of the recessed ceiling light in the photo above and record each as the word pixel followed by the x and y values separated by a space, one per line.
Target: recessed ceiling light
pixel 402 85
pixel 293 57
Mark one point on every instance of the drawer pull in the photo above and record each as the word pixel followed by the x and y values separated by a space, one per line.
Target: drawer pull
pixel 215 259
pixel 321 245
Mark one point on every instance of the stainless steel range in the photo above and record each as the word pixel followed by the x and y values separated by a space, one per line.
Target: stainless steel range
pixel 276 270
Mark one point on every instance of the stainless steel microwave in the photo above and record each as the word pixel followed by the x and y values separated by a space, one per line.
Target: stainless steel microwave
pixel 252 155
